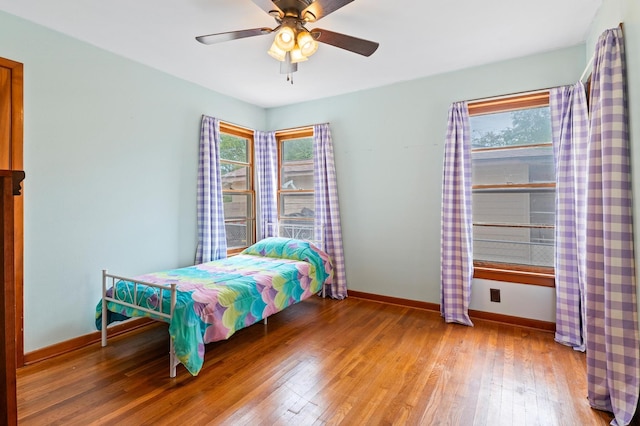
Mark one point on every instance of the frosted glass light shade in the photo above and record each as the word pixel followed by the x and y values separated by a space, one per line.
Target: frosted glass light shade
pixel 308 45
pixel 276 52
pixel 285 39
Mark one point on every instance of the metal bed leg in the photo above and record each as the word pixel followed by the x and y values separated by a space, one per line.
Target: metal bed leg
pixel 172 355
pixel 104 308
pixel 172 359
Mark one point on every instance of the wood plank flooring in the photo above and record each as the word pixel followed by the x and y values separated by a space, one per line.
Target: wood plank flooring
pixel 351 362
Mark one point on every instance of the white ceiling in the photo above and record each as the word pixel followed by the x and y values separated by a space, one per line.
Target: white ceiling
pixel 417 38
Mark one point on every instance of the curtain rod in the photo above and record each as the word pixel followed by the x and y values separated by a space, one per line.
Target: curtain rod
pixel 229 123
pixel 587 68
pixel 241 127
pixel 293 129
pixel 508 95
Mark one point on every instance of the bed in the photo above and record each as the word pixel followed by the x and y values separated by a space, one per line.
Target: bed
pixel 211 301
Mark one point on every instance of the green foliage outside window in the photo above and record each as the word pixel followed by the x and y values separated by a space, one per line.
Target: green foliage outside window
pixel 232 148
pixel 528 127
pixel 298 149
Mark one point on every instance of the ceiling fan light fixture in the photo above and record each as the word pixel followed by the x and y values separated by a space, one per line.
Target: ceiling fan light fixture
pixel 286 38
pixel 276 53
pixel 308 45
pixel 292 41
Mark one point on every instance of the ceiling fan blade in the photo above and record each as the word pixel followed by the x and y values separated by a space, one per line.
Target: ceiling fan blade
pixel 321 8
pixel 343 41
pixel 232 35
pixel 269 7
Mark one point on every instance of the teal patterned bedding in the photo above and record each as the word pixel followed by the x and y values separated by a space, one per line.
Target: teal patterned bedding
pixel 216 299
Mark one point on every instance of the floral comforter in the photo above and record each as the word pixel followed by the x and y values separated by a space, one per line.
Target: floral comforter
pixel 216 299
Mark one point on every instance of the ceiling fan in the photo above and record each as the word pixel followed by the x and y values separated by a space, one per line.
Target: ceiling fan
pixel 293 42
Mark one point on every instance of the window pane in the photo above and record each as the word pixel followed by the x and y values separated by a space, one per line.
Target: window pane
pixel 237 206
pixel 510 207
pixel 234 176
pixel 511 128
pixel 296 205
pixel 530 238
pixel 513 166
pixel 513 224
pixel 238 234
pixel 297 149
pixel 543 208
pixel 512 245
pixel 297 175
pixel 522 206
pixel 234 148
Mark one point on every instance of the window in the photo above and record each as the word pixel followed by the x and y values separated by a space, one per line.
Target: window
pixel 296 199
pixel 236 170
pixel 513 189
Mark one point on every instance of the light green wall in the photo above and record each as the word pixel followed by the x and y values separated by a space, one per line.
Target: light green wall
pixel 388 144
pixel 110 153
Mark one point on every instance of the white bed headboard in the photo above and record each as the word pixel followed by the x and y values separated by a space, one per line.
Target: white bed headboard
pixel 306 232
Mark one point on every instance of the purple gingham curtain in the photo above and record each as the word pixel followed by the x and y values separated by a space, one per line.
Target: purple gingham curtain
pixel 570 131
pixel 327 209
pixel 613 349
pixel 456 251
pixel 212 239
pixel 266 155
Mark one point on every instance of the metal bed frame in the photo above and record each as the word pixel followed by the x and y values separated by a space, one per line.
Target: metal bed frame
pixel 301 232
pixel 306 232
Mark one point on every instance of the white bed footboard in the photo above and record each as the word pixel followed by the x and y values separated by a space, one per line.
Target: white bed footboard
pixel 155 310
pixel 306 232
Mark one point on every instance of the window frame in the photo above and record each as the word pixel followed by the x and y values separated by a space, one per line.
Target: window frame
pixel 241 132
pixel 499 271
pixel 283 136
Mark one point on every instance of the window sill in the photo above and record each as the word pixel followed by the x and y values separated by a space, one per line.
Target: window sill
pixel 541 278
pixel 235 251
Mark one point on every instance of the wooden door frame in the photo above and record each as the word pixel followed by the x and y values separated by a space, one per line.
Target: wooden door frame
pixel 10 188
pixel 15 100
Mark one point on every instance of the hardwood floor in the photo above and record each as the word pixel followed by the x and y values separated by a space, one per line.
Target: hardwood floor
pixel 349 362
